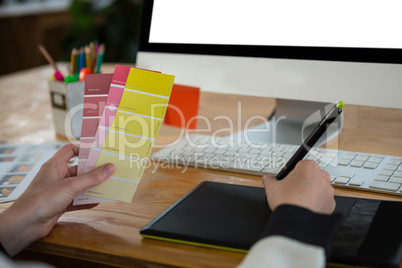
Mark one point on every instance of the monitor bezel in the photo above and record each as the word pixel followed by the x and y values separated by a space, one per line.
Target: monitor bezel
pixel 370 55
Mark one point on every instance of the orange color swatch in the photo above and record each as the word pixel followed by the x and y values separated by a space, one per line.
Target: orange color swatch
pixel 183 107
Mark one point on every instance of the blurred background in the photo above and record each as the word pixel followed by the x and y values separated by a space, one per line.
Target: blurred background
pixel 61 25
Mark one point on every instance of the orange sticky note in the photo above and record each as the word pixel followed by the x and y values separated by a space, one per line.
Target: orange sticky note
pixel 183 107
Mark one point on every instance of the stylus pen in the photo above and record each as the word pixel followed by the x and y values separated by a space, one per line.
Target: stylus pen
pixel 311 140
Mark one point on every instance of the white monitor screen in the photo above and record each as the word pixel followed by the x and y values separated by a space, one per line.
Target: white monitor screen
pixel 340 23
pixel 313 50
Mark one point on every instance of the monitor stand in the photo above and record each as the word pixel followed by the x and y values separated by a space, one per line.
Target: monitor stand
pixel 291 123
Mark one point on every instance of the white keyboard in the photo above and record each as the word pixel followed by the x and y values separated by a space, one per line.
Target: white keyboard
pixel 360 171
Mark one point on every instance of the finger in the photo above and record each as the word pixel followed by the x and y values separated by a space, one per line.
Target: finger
pixel 307 165
pixel 312 171
pixel 326 176
pixel 79 207
pixel 92 178
pixel 72 171
pixel 333 204
pixel 268 180
pixel 66 153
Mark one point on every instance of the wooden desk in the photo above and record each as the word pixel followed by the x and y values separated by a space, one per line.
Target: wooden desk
pixel 108 235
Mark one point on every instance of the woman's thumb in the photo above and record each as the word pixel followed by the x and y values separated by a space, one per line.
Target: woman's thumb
pixel 96 176
pixel 268 179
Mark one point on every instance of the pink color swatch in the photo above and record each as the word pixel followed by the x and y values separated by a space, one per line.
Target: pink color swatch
pixel 112 103
pixel 95 95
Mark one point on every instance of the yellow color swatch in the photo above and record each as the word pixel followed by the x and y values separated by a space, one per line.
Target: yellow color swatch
pixel 136 124
pixel 126 145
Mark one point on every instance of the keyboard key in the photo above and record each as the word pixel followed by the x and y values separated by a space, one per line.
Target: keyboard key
pixel 395 162
pixel 356 163
pixel 253 156
pixel 232 150
pixel 209 155
pixel 290 150
pixel 347 174
pixel 276 150
pixel 356 182
pixel 386 172
pixel 244 149
pixel 310 157
pixel 220 153
pixel 271 170
pixel 343 162
pixel 348 156
pixel 227 153
pixel 326 160
pixel 320 150
pixel 331 154
pixel 287 155
pixel 398 174
pixel 371 165
pixel 376 159
pixel 342 180
pixel 396 180
pixel 381 178
pixel 238 166
pixel 389 186
pixel 322 165
pixel 255 151
pixel 209 150
pixel 391 167
pixel 362 158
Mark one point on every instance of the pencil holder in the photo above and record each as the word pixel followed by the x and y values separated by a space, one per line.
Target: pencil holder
pixel 67 101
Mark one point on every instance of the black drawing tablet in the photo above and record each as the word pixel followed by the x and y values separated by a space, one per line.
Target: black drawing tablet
pixel 232 217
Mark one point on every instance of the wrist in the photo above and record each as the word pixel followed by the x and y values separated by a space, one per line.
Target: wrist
pixel 303 225
pixel 16 230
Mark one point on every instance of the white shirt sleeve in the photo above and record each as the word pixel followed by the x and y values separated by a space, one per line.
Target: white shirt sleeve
pixel 282 252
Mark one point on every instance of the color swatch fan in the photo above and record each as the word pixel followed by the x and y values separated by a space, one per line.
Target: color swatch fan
pixel 131 135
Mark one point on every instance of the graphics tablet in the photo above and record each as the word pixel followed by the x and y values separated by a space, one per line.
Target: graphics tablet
pixel 232 217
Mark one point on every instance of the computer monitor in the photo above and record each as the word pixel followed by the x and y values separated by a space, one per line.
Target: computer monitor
pixel 304 53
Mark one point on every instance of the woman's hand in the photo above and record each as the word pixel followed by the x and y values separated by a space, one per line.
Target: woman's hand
pixel 49 195
pixel 306 186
